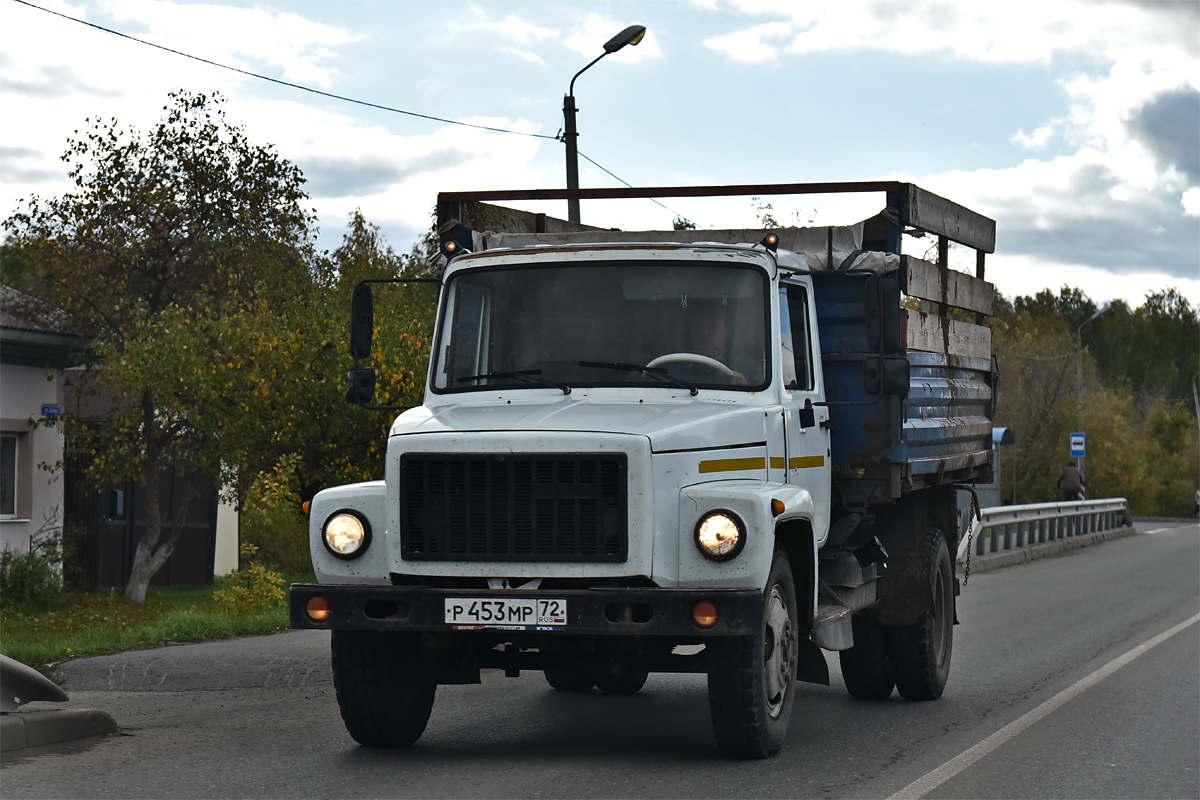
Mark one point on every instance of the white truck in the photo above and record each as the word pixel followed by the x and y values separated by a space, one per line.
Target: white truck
pixel 715 452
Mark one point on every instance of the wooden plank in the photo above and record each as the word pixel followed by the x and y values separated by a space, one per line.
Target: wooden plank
pixel 933 334
pixel 487 217
pixel 960 290
pixel 928 212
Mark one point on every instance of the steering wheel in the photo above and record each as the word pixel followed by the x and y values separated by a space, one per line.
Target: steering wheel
pixel 691 358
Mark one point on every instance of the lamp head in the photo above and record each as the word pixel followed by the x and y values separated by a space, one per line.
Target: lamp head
pixel 631 35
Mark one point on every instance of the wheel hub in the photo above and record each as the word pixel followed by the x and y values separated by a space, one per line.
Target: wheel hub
pixel 779 649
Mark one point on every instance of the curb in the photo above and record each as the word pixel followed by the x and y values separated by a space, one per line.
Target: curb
pixel 22 729
pixel 1010 558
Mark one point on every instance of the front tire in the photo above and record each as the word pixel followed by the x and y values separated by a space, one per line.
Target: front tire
pixel 566 679
pixel 920 653
pixel 384 690
pixel 752 683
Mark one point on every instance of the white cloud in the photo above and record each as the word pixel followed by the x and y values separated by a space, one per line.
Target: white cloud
pixel 1035 142
pixel 1190 202
pixel 528 55
pixel 1016 275
pixel 751 46
pixel 518 30
pixel 1014 31
pixel 287 41
pixel 596 30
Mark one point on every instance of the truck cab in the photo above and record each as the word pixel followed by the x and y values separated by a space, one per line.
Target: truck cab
pixel 650 455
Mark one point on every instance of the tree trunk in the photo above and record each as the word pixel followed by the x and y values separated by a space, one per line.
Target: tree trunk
pixel 151 553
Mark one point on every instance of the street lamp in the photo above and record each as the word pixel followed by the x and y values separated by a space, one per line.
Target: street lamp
pixel 1079 349
pixel 1079 361
pixel 631 35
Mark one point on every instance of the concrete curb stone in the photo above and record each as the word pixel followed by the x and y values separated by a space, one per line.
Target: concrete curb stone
pixel 22 729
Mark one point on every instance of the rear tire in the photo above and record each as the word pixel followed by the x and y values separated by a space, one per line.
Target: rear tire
pixel 384 690
pixel 920 653
pixel 865 667
pixel 566 679
pixel 625 683
pixel 752 683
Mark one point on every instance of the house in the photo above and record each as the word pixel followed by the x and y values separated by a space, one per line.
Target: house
pixel 43 485
pixel 36 345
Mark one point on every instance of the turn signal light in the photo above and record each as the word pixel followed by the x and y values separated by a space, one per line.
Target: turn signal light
pixel 318 608
pixel 705 614
pixel 307 506
pixel 777 507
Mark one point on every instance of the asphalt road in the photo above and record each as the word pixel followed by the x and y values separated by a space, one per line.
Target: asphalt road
pixel 1049 696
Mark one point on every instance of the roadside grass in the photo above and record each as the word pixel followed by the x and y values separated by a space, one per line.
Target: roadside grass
pixel 98 624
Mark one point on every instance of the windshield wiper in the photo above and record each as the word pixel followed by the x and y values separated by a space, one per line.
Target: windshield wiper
pixel 523 375
pixel 654 372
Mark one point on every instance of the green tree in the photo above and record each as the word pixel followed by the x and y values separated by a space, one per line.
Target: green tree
pixel 169 242
pixel 1136 409
pixel 315 439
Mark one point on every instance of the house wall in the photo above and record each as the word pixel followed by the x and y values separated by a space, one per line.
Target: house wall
pixel 23 392
pixel 225 559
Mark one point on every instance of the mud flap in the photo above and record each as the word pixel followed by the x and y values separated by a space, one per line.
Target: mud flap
pixel 811 666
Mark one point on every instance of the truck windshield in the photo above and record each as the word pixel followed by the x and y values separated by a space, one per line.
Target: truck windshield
pixel 621 323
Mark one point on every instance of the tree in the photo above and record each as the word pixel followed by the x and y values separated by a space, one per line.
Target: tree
pixel 1136 364
pixel 168 242
pixel 315 438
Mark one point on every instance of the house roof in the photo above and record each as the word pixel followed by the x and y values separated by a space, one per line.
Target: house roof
pixel 35 334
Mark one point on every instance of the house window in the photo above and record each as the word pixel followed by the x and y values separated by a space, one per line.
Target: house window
pixel 8 476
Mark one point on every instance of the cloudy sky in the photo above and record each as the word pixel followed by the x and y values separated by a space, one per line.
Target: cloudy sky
pixel 1074 123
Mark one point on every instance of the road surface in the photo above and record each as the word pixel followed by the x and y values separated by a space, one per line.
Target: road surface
pixel 1053 693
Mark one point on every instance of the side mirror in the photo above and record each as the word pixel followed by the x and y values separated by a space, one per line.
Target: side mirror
pixel 808 415
pixel 362 322
pixel 360 385
pixel 889 377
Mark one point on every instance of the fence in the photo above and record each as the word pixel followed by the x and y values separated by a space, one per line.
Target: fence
pixel 1005 528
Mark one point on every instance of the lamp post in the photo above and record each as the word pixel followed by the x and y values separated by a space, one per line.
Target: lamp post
pixel 1079 362
pixel 631 35
pixel 1079 350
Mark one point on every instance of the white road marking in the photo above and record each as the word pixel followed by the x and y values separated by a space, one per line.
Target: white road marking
pixel 934 779
pixel 1156 530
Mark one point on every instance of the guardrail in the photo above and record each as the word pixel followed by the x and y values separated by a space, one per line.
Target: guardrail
pixel 1006 528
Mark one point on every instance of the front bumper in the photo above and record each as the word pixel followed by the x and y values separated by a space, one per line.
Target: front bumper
pixel 605 612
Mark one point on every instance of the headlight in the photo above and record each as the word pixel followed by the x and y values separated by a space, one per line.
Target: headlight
pixel 346 534
pixel 720 535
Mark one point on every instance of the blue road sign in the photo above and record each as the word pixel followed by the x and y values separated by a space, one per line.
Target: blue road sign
pixel 51 411
pixel 1078 448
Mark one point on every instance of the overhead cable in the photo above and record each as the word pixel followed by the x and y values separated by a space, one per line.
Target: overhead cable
pixel 279 82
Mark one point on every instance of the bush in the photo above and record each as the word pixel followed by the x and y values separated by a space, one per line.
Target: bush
pixel 273 521
pixel 31 582
pixel 253 589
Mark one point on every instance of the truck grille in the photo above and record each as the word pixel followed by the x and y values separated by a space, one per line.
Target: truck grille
pixel 513 507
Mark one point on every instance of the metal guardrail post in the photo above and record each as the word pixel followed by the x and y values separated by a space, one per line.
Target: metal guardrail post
pixel 1040 523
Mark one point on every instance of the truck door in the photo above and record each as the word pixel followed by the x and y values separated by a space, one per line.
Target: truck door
pixel 806 434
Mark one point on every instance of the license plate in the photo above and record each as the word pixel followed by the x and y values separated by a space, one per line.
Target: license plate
pixel 507 613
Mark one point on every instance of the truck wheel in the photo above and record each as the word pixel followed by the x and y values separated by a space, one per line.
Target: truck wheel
pixel 920 653
pixel 625 683
pixel 752 682
pixel 566 679
pixel 865 667
pixel 383 689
